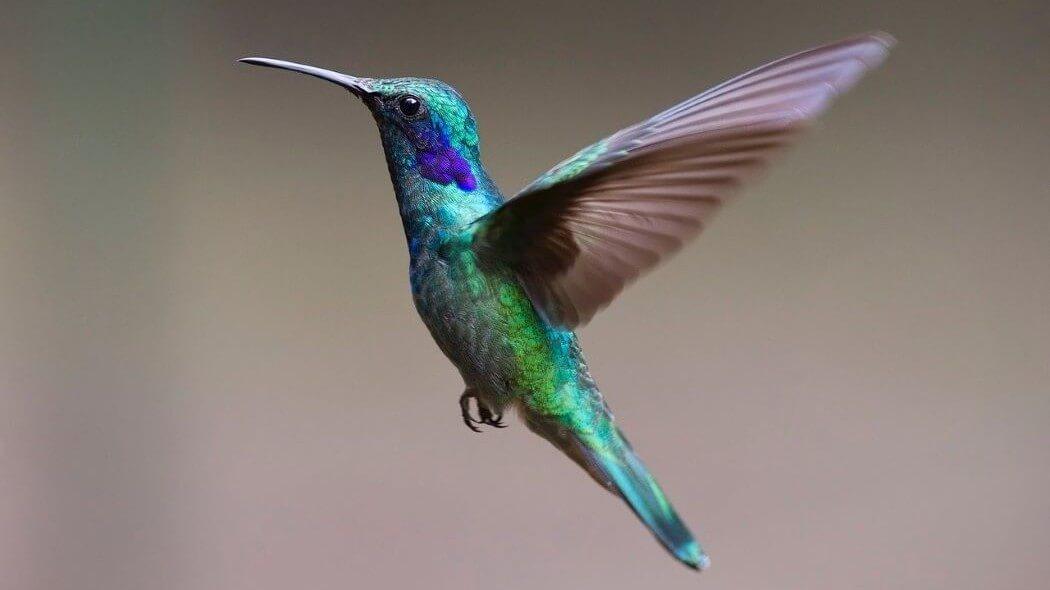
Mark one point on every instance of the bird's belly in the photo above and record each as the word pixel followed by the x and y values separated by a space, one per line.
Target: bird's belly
pixel 488 328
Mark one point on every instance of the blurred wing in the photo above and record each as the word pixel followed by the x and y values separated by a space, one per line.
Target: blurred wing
pixel 582 231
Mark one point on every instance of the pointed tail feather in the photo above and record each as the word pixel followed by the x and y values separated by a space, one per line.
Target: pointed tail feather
pixel 614 465
pixel 639 489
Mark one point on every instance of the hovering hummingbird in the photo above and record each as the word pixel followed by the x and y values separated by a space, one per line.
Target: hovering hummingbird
pixel 502 285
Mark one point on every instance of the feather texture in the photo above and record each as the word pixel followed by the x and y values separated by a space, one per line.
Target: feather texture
pixel 581 232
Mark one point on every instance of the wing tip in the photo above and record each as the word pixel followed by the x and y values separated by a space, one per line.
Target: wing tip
pixel 879 45
pixel 882 37
pixel 874 48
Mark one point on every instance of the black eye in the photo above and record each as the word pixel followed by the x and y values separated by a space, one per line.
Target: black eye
pixel 409 105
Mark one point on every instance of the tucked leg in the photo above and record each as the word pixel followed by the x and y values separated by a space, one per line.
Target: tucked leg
pixel 464 408
pixel 485 415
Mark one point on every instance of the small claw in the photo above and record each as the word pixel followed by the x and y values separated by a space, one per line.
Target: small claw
pixel 470 422
pixel 464 408
pixel 485 416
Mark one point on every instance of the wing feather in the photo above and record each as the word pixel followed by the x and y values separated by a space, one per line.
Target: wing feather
pixel 592 224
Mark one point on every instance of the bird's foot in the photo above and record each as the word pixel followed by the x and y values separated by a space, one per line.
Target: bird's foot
pixel 490 419
pixel 485 416
pixel 464 408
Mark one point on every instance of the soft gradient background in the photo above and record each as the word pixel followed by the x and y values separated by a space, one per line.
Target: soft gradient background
pixel 212 377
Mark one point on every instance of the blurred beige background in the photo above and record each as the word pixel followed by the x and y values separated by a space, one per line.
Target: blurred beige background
pixel 212 377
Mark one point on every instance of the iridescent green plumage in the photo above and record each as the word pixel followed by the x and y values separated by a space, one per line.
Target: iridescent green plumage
pixel 501 285
pixel 509 355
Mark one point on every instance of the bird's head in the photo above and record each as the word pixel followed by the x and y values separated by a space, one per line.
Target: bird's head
pixel 427 129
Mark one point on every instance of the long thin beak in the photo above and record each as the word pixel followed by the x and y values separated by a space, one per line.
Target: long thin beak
pixel 358 86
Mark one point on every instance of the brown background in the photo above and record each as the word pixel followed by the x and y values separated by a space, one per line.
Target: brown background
pixel 212 376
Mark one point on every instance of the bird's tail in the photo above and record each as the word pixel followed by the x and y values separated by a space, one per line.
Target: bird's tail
pixel 614 465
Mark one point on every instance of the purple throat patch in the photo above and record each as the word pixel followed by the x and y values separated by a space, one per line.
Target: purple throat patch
pixel 443 164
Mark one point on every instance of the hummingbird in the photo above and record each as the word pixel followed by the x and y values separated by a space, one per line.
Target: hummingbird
pixel 502 284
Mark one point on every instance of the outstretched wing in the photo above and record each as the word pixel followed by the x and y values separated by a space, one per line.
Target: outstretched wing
pixel 582 231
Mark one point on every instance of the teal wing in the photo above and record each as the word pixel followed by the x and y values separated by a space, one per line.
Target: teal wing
pixel 593 223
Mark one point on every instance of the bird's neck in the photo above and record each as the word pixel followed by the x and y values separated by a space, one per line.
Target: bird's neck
pixel 431 202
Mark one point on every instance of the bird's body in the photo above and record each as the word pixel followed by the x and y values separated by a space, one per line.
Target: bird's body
pixel 479 314
pixel 501 285
pixel 485 324
pixel 510 356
